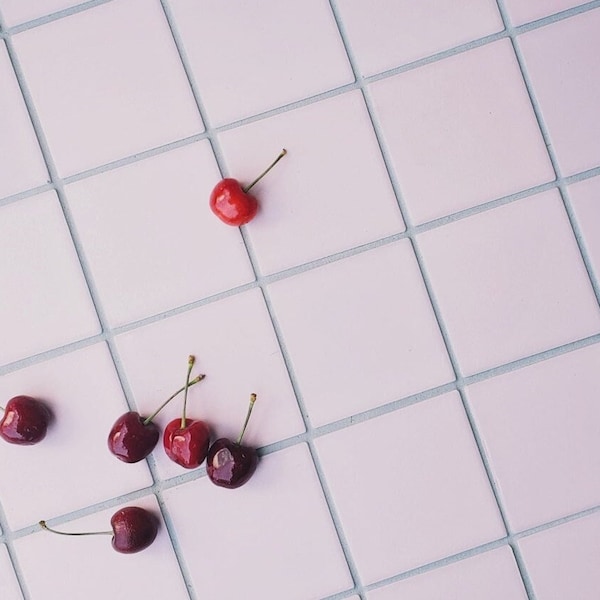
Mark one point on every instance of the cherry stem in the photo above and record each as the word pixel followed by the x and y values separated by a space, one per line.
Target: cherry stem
pixel 191 361
pixel 252 401
pixel 44 526
pixel 192 382
pixel 281 155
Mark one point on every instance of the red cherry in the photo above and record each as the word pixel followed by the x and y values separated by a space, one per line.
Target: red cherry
pixel 188 445
pixel 232 203
pixel 229 464
pixel 186 440
pixel 133 437
pixel 133 529
pixel 25 421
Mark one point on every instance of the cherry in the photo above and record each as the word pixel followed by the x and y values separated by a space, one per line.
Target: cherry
pixel 133 437
pixel 133 529
pixel 232 203
pixel 229 464
pixel 25 421
pixel 186 440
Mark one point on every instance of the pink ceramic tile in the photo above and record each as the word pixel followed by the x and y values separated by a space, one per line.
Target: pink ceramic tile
pixel 9 587
pixel 410 487
pixel 562 62
pixel 22 163
pixel 332 183
pixel 541 430
pixel 360 332
pixel 523 11
pixel 262 55
pixel 235 346
pixel 563 562
pixel 453 127
pixel 72 467
pixel 585 199
pixel 491 576
pixel 116 95
pixel 56 566
pixel 271 538
pixel 510 282
pixel 386 34
pixel 45 301
pixel 163 240
pixel 15 12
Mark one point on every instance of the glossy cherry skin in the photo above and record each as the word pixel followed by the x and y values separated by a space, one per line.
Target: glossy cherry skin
pixel 130 440
pixel 187 446
pixel 25 421
pixel 230 465
pixel 133 529
pixel 231 204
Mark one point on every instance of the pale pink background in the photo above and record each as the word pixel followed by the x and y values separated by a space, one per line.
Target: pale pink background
pixel 416 303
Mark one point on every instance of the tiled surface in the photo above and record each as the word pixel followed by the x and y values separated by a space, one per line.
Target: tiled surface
pixel 416 303
pixel 563 64
pixel 563 562
pixel 552 474
pixel 453 127
pixel 85 122
pixel 285 500
pixel 22 163
pixel 504 293
pixel 384 35
pixel 425 458
pixel 492 575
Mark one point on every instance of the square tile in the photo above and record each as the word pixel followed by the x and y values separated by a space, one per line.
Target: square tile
pixel 95 570
pixel 311 190
pixel 15 12
pixel 541 429
pixel 510 282
pixel 452 127
pixel 492 575
pixel 563 63
pixel 9 586
pixel 562 562
pixel 585 200
pixel 49 304
pixel 275 534
pixel 235 346
pixel 360 332
pixel 521 12
pixel 107 100
pixel 150 237
pixel 71 467
pixel 384 35
pixel 410 487
pixel 269 53
pixel 22 163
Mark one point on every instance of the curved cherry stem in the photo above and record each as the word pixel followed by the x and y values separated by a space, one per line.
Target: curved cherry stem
pixel 252 401
pixel 43 525
pixel 192 382
pixel 281 155
pixel 191 361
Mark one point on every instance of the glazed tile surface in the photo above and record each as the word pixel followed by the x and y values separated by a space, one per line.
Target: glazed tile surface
pixel 416 304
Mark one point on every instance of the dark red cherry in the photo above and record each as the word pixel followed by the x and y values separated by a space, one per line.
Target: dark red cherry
pixel 232 203
pixel 133 437
pixel 133 529
pixel 229 464
pixel 25 421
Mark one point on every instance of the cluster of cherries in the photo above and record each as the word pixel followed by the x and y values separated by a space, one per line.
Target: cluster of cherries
pixel 132 438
